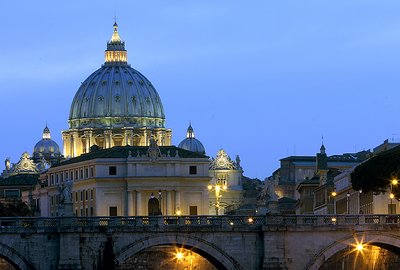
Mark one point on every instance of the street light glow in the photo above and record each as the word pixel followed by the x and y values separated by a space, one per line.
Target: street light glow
pixel 334 194
pixel 391 196
pixel 360 247
pixel 179 256
pixel 395 181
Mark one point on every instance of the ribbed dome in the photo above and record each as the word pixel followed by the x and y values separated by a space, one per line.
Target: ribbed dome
pixel 116 95
pixel 46 147
pixel 191 143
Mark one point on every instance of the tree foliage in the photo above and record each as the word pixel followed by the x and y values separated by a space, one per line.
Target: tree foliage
pixel 376 173
pixel 15 208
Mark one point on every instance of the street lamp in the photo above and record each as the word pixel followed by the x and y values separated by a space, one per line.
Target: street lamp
pixel 218 189
pixel 159 202
pixel 393 182
pixel 333 195
pixel 347 199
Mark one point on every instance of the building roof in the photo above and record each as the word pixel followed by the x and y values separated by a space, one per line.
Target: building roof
pixel 20 180
pixel 134 151
pixel 347 157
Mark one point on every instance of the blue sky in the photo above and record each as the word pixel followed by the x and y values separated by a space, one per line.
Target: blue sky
pixel 262 79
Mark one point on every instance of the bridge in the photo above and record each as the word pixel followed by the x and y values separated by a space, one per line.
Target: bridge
pixel 228 242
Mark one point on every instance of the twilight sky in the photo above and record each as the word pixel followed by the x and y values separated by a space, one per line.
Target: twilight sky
pixel 262 79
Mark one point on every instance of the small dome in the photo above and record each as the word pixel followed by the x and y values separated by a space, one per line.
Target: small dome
pixel 46 148
pixel 191 143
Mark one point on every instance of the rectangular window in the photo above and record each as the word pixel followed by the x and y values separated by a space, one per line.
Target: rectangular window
pixel 81 195
pixel 76 212
pixel 52 201
pixel 76 175
pixel 81 174
pixel 87 211
pixel 91 211
pixel 91 172
pixel 81 212
pixel 193 210
pixel 57 178
pixel 112 170
pixel 193 170
pixel 86 173
pixel 86 195
pixel 11 193
pixel 66 175
pixel 52 179
pixel 113 211
pixel 91 194
pixel 76 196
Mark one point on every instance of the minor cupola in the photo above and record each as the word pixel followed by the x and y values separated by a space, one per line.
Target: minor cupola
pixel 46 148
pixel 191 143
pixel 116 52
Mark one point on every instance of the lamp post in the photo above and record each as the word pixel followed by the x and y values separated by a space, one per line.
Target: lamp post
pixel 347 200
pixel 393 182
pixel 333 195
pixel 159 202
pixel 218 189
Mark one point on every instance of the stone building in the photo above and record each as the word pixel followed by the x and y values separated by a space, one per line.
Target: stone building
pixel 129 180
pixel 226 190
pixel 350 201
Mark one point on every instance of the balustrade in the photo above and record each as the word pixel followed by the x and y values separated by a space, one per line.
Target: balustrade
pixel 31 224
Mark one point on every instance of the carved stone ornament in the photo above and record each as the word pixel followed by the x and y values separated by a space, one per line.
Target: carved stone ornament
pixel 25 165
pixel 154 150
pixel 222 162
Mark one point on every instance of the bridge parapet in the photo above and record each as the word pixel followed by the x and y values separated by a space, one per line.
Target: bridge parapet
pixel 161 223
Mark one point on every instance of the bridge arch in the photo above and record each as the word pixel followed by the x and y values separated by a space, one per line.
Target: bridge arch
pixel 211 252
pixel 14 257
pixel 377 239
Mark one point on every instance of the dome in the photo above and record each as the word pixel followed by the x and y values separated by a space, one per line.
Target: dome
pixel 191 143
pixel 116 95
pixel 46 148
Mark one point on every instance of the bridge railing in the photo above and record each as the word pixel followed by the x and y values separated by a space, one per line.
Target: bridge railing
pixel 27 224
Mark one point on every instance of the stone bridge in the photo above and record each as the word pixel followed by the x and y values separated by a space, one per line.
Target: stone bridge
pixel 229 242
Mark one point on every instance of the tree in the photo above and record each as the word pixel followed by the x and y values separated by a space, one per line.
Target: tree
pixel 376 173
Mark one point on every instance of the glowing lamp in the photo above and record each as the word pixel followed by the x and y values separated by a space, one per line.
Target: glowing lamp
pixel 391 196
pixel 209 187
pixel 360 247
pixel 333 193
pixel 395 181
pixel 250 220
pixel 179 256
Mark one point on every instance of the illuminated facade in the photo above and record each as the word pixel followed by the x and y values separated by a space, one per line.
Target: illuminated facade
pixel 131 181
pixel 115 106
pixel 225 187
